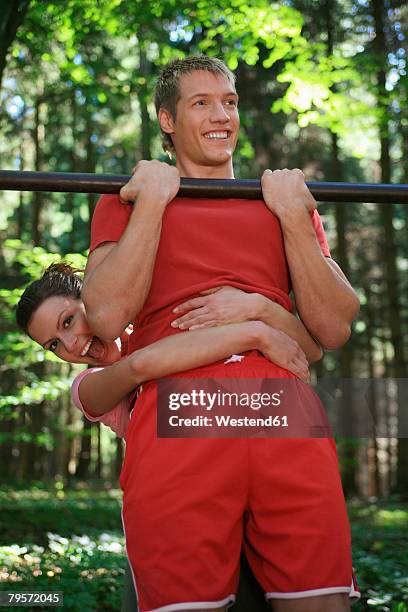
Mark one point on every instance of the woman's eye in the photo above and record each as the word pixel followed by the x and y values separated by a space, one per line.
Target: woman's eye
pixel 67 321
pixel 53 346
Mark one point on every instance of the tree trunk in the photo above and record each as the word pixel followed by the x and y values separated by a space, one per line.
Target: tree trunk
pixel 68 449
pixel 70 197
pixel 37 196
pixel 12 13
pixel 8 446
pixel 389 254
pixel 84 460
pixel 98 467
pixel 90 161
pixel 375 486
pixel 118 457
pixel 20 208
pixel 143 96
pixel 34 451
pixel 349 448
pixel 58 457
pixel 23 448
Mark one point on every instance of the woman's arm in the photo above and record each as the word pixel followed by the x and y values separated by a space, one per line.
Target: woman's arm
pixel 102 390
pixel 225 305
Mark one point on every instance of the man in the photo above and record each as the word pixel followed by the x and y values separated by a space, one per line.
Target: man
pixel 185 501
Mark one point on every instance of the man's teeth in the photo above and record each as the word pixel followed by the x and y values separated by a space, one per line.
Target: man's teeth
pixel 217 135
pixel 86 347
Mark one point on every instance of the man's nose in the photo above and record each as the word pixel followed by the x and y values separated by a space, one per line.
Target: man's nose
pixel 219 113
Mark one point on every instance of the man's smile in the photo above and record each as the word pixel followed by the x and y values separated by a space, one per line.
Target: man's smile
pixel 217 135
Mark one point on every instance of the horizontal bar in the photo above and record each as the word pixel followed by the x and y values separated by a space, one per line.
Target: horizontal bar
pixel 198 188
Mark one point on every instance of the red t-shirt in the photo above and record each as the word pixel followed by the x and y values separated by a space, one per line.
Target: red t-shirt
pixel 204 244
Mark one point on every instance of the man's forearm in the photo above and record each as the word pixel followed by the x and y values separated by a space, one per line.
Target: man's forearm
pixel 116 285
pixel 325 300
pixel 279 318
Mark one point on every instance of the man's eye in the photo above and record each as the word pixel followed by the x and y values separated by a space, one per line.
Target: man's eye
pixel 200 103
pixel 67 321
pixel 232 103
pixel 53 346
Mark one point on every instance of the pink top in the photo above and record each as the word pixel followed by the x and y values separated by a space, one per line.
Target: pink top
pixel 117 418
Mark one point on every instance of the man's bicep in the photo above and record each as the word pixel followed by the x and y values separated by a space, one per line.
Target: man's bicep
pixel 106 317
pixel 97 256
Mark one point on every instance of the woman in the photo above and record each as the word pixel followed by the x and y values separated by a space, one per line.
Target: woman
pixel 51 312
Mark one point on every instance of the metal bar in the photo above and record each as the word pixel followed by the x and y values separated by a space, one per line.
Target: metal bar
pixel 198 188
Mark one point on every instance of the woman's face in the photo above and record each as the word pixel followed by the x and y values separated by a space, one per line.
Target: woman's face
pixel 60 325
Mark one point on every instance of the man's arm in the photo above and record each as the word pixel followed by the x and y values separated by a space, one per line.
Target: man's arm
pixel 325 299
pixel 118 275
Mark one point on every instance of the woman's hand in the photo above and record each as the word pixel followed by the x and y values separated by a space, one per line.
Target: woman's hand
pixel 279 348
pixel 218 306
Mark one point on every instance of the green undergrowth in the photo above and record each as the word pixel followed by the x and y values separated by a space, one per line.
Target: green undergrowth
pixel 380 554
pixel 53 540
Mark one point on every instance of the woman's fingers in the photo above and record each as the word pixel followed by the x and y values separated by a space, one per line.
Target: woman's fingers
pixel 190 305
pixel 194 317
pixel 300 367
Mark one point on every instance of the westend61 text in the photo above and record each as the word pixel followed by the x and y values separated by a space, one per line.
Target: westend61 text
pixel 209 401
pixel 227 421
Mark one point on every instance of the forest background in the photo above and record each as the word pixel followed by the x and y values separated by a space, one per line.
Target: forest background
pixel 323 86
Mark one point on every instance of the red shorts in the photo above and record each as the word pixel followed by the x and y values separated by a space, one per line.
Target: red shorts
pixel 189 506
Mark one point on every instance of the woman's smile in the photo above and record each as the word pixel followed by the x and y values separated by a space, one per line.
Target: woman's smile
pixel 60 325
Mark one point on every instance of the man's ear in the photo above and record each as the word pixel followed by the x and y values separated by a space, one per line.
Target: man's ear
pixel 166 121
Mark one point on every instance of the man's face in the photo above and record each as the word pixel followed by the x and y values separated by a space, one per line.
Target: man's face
pixel 205 129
